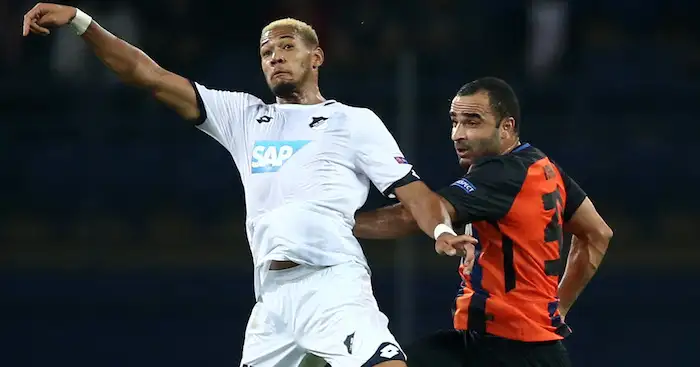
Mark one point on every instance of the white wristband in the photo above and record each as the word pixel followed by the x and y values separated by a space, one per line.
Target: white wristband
pixel 80 22
pixel 442 228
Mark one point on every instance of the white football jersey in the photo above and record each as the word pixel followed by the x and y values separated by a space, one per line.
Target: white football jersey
pixel 305 170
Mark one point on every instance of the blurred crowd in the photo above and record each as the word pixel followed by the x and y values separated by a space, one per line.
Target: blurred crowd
pixel 537 39
pixel 608 88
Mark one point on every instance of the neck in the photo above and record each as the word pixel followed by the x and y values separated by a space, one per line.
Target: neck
pixel 311 95
pixel 512 146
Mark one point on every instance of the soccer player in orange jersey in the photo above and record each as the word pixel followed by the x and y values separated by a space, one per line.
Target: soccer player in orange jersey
pixel 516 202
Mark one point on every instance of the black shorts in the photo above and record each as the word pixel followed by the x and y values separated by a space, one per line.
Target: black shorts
pixel 456 348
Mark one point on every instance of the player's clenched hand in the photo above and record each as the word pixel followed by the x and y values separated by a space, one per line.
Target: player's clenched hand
pixel 442 245
pixel 448 244
pixel 44 16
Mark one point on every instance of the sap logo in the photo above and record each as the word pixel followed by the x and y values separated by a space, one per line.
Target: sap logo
pixel 465 185
pixel 270 155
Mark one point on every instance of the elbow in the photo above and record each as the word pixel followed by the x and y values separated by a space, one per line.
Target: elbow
pixel 604 235
pixel 598 237
pixel 595 246
pixel 608 234
pixel 598 241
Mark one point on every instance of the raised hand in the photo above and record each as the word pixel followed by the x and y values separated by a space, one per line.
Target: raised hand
pixel 44 16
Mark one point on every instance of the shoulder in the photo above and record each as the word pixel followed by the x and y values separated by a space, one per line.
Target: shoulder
pixel 517 162
pixel 497 168
pixel 358 115
pixel 239 98
pixel 359 122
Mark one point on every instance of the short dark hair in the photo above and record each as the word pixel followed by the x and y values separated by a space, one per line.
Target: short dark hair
pixel 503 100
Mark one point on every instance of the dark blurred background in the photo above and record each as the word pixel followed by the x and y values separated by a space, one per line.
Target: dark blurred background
pixel 122 238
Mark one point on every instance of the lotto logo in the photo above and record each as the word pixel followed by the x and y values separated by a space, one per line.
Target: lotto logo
pixel 386 352
pixel 270 156
pixel 389 351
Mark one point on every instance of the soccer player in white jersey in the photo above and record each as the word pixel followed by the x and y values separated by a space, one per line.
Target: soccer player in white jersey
pixel 306 163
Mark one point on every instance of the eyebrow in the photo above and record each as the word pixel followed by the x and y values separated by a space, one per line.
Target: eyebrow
pixel 281 37
pixel 470 115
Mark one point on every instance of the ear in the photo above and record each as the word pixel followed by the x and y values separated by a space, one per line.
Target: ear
pixel 317 57
pixel 507 127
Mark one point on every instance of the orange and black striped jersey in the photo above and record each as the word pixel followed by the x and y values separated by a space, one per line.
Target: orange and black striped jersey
pixel 516 204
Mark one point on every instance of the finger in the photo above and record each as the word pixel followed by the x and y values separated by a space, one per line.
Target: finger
pixel 467 270
pixel 468 266
pixel 465 250
pixel 461 253
pixel 468 263
pixel 463 239
pixel 39 29
pixel 27 21
pixel 443 249
pixel 462 246
pixel 28 18
pixel 469 256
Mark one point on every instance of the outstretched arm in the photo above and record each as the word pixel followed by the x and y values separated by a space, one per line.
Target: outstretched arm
pixel 385 223
pixel 390 222
pixel 129 63
pixel 487 192
pixel 380 159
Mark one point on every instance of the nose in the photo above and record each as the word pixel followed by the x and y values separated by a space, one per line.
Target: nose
pixel 276 58
pixel 458 133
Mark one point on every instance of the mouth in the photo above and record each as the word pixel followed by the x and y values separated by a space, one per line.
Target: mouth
pixel 462 152
pixel 280 72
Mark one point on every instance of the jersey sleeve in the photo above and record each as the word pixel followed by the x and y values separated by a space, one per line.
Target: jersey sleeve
pixel 378 155
pixel 487 192
pixel 223 115
pixel 574 194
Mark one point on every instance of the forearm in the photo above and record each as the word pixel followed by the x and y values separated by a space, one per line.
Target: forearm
pixel 129 63
pixel 584 259
pixel 135 67
pixel 428 212
pixel 390 222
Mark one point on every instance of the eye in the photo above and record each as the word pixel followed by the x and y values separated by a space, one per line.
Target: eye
pixel 266 53
pixel 288 46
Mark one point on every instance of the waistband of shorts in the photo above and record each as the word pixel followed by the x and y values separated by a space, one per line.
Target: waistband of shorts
pixel 291 274
pixel 497 340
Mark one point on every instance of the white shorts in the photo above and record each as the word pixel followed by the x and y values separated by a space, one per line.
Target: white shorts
pixel 318 315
